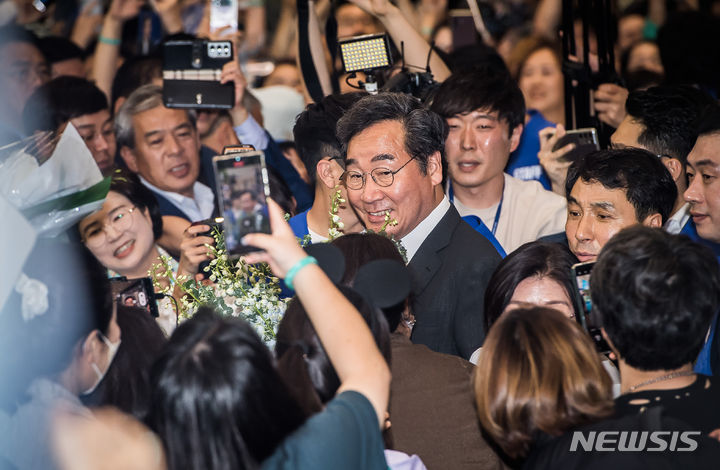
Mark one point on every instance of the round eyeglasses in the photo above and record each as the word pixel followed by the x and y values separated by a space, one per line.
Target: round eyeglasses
pixel 120 220
pixel 382 176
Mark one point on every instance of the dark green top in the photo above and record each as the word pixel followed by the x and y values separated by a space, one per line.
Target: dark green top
pixel 345 435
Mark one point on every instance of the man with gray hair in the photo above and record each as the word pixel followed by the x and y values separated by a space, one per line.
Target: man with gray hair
pixel 162 146
pixel 393 148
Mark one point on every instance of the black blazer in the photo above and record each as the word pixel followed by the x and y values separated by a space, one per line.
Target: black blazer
pixel 449 273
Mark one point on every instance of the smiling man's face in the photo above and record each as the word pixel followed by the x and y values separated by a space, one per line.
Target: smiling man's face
pixel 410 198
pixel 167 150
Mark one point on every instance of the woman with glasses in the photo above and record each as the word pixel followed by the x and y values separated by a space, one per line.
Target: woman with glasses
pixel 123 235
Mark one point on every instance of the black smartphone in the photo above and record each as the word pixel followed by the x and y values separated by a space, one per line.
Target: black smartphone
pixel 581 274
pixel 191 74
pixel 463 29
pixel 585 140
pixel 137 293
pixel 243 188
pixel 215 223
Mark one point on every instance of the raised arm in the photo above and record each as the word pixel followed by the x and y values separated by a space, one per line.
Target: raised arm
pixel 108 46
pixel 342 331
pixel 401 31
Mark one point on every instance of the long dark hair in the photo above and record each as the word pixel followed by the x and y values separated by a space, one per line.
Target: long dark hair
pixel 217 401
pixel 127 383
pixel 542 259
pixel 302 360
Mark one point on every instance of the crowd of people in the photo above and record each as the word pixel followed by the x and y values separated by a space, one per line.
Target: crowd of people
pixel 429 239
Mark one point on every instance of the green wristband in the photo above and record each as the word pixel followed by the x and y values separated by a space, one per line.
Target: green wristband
pixel 292 272
pixel 109 41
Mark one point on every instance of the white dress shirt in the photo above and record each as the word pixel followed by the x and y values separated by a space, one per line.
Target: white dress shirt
pixel 678 220
pixel 417 236
pixel 198 207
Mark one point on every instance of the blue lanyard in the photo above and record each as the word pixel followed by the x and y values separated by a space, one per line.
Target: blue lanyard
pixel 451 196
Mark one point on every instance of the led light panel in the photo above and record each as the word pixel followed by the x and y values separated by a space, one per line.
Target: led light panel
pixel 365 53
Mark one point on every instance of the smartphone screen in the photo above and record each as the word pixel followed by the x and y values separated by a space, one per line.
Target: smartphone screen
pixel 243 189
pixel 224 15
pixel 137 293
pixel 581 273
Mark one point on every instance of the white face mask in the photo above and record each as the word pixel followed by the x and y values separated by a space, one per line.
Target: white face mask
pixel 112 350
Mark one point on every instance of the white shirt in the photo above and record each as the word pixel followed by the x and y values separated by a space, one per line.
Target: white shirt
pixel 678 220
pixel 417 236
pixel 316 237
pixel 528 212
pixel 199 207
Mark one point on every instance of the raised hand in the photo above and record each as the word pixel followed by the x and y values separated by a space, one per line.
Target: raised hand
pixel 552 161
pixel 123 10
pixel 193 250
pixel 281 249
pixel 610 103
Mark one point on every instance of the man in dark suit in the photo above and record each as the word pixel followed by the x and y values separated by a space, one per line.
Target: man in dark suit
pixel 394 151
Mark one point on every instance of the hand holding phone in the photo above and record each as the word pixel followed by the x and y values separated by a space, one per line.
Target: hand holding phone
pixel 583 141
pixel 583 302
pixel 194 255
pixel 243 190
pixel 552 160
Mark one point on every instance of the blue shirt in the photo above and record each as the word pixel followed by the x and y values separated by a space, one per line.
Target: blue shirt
pixel 524 163
pixel 299 224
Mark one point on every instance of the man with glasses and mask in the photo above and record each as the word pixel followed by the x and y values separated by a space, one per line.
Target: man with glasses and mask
pixel 393 149
pixel 319 150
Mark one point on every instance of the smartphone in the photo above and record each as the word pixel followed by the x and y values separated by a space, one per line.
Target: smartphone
pixel 242 148
pixel 215 223
pixel 191 74
pixel 243 188
pixel 463 29
pixel 585 140
pixel 224 15
pixel 137 293
pixel 581 274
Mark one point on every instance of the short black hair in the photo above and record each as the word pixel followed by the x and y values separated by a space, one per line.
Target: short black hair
pixel 60 100
pixel 648 185
pixel 486 87
pixel 314 130
pixel 134 73
pixel 58 48
pixel 668 114
pixel 709 121
pixel 425 130
pixel 541 259
pixel 655 295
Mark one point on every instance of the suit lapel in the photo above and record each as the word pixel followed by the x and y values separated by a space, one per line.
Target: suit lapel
pixel 427 260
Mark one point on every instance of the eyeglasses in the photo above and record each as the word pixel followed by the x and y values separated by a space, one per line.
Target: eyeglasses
pixel 120 221
pixel 382 176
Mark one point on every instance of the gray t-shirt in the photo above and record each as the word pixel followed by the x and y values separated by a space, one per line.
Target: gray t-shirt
pixel 344 435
